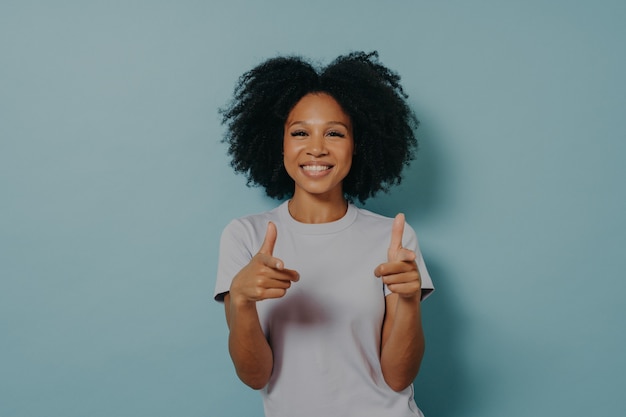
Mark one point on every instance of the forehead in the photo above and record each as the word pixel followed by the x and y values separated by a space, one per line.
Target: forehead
pixel 318 107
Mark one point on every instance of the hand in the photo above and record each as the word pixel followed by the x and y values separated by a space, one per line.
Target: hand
pixel 400 271
pixel 265 276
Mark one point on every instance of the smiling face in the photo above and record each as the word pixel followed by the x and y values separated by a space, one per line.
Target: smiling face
pixel 318 146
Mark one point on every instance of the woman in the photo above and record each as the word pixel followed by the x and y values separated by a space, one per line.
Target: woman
pixel 322 299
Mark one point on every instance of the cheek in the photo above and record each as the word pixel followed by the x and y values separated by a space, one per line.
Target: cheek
pixel 290 154
pixel 286 150
pixel 347 155
pixel 290 158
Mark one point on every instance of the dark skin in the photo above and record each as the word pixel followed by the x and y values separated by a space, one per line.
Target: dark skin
pixel 318 146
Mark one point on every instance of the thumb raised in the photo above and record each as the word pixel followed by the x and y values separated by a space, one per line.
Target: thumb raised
pixel 267 247
pixel 397 230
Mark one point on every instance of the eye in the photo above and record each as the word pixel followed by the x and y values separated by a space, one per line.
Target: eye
pixel 336 134
pixel 298 133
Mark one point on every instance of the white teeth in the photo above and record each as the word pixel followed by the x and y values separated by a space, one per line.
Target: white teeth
pixel 315 167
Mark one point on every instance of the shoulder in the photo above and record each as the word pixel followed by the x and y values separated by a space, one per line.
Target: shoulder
pixel 252 226
pixel 372 219
pixel 367 215
pixel 379 228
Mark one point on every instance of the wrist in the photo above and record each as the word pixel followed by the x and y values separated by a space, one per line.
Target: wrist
pixel 413 299
pixel 241 302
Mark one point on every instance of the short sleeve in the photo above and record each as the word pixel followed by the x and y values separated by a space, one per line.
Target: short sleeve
pixel 234 254
pixel 410 241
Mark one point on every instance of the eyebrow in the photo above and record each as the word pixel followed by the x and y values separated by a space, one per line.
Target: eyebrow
pixel 302 122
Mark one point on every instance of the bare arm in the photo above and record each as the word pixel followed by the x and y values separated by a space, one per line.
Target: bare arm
pixel 402 346
pixel 402 341
pixel 264 277
pixel 248 347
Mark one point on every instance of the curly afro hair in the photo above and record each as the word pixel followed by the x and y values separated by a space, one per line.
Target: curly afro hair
pixel 369 93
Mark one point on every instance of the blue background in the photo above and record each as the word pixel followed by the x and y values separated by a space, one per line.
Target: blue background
pixel 114 189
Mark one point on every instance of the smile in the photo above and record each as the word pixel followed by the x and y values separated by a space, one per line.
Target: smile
pixel 316 168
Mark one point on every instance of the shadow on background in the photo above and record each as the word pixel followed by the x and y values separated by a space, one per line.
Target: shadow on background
pixel 421 194
pixel 442 387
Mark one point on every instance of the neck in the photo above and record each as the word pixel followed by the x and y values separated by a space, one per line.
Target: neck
pixel 307 208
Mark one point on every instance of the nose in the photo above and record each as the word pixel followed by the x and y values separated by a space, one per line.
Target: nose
pixel 317 146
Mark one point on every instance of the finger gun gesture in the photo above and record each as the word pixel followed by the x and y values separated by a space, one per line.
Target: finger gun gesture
pixel 400 272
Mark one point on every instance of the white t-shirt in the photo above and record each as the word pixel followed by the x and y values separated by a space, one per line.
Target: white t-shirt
pixel 325 333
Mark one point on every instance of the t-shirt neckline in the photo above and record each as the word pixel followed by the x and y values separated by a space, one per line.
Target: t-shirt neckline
pixel 317 228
